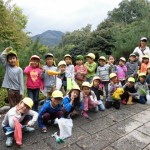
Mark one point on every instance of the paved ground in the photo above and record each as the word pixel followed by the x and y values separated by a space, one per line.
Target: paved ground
pixel 124 129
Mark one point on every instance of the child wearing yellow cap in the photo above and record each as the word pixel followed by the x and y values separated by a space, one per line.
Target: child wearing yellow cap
pixel 13 79
pixel 129 95
pixel 21 112
pixel 50 110
pixel 112 87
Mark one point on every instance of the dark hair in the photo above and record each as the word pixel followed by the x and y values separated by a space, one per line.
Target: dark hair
pixel 114 59
pixel 77 100
pixel 10 56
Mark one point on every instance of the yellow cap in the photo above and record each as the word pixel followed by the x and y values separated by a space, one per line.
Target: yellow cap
pixel 123 59
pixel 145 56
pixel 67 55
pixel 96 78
pixel 87 84
pixel 131 79
pixel 62 63
pixel 91 55
pixel 112 75
pixel 142 74
pixel 75 87
pixel 28 101
pixel 57 94
pixel 102 57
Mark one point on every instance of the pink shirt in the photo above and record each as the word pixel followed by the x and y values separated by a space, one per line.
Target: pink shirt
pixel 33 77
pixel 81 69
pixel 121 72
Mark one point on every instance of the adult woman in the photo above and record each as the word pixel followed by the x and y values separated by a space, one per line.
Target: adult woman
pixel 142 49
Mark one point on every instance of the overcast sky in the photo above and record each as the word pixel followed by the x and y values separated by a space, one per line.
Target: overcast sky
pixel 64 15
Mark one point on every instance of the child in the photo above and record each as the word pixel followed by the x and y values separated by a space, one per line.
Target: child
pixel 48 75
pixel 80 70
pixel 98 90
pixel 129 94
pixel 89 99
pixel 91 67
pixel 22 112
pixel 112 87
pixel 137 59
pixel 103 71
pixel 111 62
pixel 71 103
pixel 148 77
pixel 145 63
pixel 122 70
pixel 132 66
pixel 70 67
pixel 13 79
pixel 50 110
pixel 62 68
pixel 33 82
pixel 142 88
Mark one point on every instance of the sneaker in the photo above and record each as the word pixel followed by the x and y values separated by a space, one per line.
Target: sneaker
pixel 44 130
pixel 124 102
pixel 84 114
pixel 29 129
pixel 9 141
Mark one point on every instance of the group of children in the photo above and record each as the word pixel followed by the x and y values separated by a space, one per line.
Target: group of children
pixel 70 90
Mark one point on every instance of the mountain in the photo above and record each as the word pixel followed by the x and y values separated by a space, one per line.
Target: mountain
pixel 50 38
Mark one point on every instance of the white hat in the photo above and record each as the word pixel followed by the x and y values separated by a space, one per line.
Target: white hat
pixel 62 63
pixel 143 38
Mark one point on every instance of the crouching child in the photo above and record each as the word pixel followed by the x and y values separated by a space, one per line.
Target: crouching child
pixel 51 109
pixel 112 87
pixel 23 113
pixel 89 99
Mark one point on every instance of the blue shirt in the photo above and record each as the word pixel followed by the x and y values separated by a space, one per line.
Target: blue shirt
pixel 47 108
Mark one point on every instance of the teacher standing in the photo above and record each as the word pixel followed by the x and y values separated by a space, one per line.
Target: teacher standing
pixel 142 49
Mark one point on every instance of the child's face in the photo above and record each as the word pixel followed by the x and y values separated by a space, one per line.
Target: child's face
pixel 12 60
pixel 22 108
pixel 79 62
pixel 34 62
pixel 96 83
pixel 145 60
pixel 62 68
pixel 121 63
pixel 114 79
pixel 68 60
pixel 56 101
pixel 130 84
pixel 142 79
pixel 89 60
pixel 75 93
pixel 86 90
pixel 148 71
pixel 132 58
pixel 49 61
pixel 111 60
pixel 102 62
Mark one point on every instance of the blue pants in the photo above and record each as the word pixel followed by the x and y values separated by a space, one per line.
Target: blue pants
pixel 34 95
pixel 142 100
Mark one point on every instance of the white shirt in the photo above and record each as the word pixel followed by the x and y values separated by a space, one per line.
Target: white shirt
pixel 146 51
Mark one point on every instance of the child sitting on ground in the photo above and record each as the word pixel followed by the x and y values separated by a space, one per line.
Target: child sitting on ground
pixel 142 88
pixel 98 90
pixel 129 95
pixel 22 112
pixel 89 99
pixel 71 103
pixel 50 110
pixel 112 87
